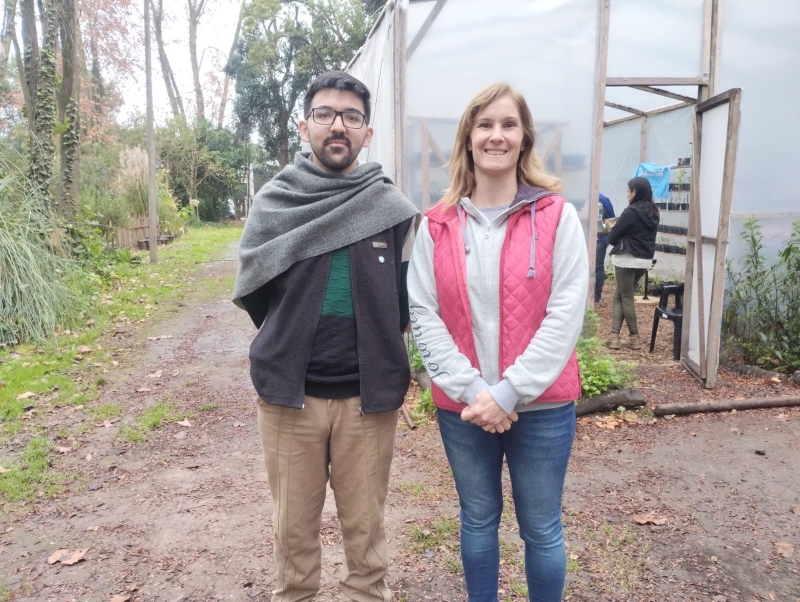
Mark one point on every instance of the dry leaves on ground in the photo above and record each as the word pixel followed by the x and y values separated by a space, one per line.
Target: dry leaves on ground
pixel 649 519
pixel 160 337
pixel 67 557
pixel 26 395
pixel 156 374
pixel 784 548
pixel 795 508
pixel 120 598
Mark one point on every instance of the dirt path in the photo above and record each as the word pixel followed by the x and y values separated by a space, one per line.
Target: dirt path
pixel 186 514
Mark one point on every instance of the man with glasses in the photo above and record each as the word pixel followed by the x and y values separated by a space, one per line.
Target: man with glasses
pixel 322 267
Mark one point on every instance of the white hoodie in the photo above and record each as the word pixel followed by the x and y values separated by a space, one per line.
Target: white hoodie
pixel 549 350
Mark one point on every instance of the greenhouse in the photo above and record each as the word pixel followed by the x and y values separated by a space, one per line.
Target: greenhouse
pixel 701 87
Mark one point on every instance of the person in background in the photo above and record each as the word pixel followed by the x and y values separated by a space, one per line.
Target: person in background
pixel 605 211
pixel 497 287
pixel 633 239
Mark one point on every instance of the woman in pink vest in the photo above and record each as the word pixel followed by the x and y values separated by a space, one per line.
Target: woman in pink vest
pixel 497 289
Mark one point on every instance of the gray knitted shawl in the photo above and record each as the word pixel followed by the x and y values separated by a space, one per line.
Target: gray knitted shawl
pixel 305 211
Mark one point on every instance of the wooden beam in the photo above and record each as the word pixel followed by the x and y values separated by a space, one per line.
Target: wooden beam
pixel 620 120
pixel 720 252
pixel 666 93
pixel 425 166
pixel 656 81
pixel 426 25
pixel 614 105
pixel 719 99
pixel 400 62
pixel 597 147
pixel 647 114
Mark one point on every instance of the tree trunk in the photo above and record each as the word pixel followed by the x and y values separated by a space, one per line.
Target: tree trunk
pixel 196 10
pixel 224 101
pixel 9 29
pixel 68 108
pixel 610 400
pixel 175 100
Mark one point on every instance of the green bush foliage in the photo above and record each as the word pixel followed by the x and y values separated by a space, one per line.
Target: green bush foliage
pixel 600 371
pixel 761 322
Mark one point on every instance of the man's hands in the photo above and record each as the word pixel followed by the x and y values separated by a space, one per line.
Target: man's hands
pixel 487 414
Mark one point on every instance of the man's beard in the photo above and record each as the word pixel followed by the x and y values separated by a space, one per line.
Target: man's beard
pixel 335 161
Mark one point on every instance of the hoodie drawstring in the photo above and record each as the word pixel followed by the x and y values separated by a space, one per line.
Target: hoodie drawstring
pixel 532 270
pixel 462 219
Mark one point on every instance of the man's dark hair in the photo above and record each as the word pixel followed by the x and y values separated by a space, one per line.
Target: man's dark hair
pixel 337 80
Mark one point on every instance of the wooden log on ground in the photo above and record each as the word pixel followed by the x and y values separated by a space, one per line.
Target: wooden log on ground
pixel 610 400
pixel 726 405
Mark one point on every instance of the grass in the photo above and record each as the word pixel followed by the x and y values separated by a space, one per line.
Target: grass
pixel 510 554
pixel 32 478
pixel 106 411
pixel 150 419
pixel 424 410
pixel 616 553
pixel 520 588
pixel 136 292
pixel 439 534
pixel 208 407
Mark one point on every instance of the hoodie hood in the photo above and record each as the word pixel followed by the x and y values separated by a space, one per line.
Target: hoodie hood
pixel 651 221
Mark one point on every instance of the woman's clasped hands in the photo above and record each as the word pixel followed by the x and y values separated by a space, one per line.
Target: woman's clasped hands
pixel 486 413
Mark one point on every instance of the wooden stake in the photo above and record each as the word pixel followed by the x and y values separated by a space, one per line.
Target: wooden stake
pixel 151 142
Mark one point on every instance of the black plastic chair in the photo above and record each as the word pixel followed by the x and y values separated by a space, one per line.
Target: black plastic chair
pixel 673 314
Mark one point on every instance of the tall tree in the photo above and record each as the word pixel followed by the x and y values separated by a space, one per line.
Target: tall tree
pixel 174 94
pixel 9 28
pixel 37 65
pixel 68 98
pixel 196 9
pixel 285 44
pixel 224 101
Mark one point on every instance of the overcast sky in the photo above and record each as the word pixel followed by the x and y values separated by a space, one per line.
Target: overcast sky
pixel 215 36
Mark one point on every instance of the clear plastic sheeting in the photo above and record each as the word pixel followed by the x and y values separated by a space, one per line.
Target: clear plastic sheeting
pixel 417 13
pixel 619 160
pixel 374 65
pixel 668 136
pixel 545 48
pixel 761 55
pixel 647 101
pixel 657 39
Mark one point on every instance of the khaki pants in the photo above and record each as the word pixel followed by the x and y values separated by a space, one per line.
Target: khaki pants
pixel 328 438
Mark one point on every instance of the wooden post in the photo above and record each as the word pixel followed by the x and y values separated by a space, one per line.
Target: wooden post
pixel 720 252
pixel 643 142
pixel 600 103
pixel 399 27
pixel 151 142
pixel 709 51
pixel 425 164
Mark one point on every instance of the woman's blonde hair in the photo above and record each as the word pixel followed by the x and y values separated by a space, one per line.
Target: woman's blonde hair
pixel 462 166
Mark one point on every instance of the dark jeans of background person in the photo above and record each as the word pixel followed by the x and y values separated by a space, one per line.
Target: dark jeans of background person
pixel 627 282
pixel 537 450
pixel 600 268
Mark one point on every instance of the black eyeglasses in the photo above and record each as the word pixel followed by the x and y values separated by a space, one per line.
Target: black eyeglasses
pixel 351 119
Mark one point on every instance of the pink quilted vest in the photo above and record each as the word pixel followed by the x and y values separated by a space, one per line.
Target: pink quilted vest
pixel 523 300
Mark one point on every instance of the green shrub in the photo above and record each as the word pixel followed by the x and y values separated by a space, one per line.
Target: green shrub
pixel 761 322
pixel 425 409
pixel 600 371
pixel 35 266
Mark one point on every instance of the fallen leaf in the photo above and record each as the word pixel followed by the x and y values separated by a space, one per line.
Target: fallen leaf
pixel 159 337
pixel 775 379
pixel 94 528
pixel 107 424
pixel 238 424
pixel 56 556
pixel 74 557
pixel 88 457
pixel 2 470
pixel 132 587
pixel 156 374
pixel 714 559
pixel 26 395
pixel 795 508
pixel 120 598
pixel 63 450
pixel 784 548
pixel 114 363
pixel 84 349
pixel 645 519
pixel 90 322
pixel 782 417
pixel 9 529
pixel 174 374
pixel 142 390
pixel 184 423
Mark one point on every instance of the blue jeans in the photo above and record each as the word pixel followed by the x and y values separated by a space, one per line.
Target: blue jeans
pixel 537 449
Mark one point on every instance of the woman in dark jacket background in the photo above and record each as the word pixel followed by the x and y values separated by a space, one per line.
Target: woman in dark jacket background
pixel 633 238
